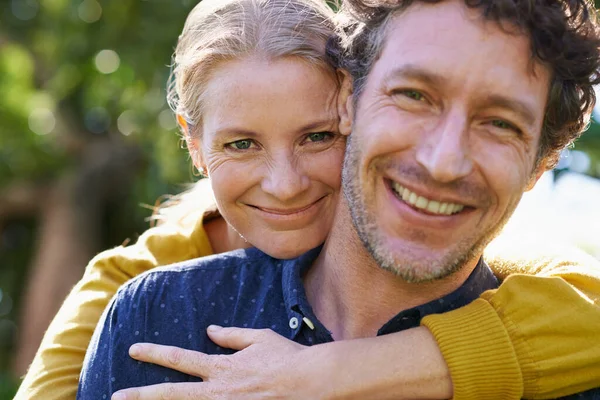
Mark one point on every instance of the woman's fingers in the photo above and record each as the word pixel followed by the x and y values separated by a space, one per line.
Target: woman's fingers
pixel 187 361
pixel 239 338
pixel 262 369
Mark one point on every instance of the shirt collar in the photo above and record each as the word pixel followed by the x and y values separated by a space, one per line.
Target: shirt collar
pixel 293 286
pixel 481 279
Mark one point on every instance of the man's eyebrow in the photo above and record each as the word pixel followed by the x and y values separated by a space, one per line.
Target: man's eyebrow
pixel 515 105
pixel 411 71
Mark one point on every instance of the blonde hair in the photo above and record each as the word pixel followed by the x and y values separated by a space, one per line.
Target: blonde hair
pixel 220 30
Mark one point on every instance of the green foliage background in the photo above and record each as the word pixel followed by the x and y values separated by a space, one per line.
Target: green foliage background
pixel 48 53
pixel 48 62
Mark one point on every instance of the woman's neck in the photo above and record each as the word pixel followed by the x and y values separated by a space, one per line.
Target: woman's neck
pixel 223 237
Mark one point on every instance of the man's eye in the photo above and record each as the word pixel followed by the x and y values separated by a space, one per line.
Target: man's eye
pixel 499 123
pixel 413 94
pixel 243 144
pixel 318 136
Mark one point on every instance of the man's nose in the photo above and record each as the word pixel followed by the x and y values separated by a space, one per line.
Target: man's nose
pixel 445 150
pixel 285 178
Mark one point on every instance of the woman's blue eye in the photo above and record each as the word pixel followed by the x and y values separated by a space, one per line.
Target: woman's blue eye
pixel 318 136
pixel 244 144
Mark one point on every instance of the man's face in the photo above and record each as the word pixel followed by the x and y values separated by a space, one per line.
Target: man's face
pixel 444 139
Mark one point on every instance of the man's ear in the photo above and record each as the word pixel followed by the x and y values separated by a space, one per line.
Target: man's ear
pixel 194 144
pixel 345 102
pixel 541 167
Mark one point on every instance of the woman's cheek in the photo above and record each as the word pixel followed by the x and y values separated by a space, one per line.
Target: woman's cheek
pixel 328 165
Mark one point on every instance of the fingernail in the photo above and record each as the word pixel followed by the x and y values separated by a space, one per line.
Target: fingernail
pixel 119 396
pixel 214 328
pixel 134 350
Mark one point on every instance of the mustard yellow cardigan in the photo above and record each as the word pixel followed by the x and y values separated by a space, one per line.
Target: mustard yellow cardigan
pixel 530 337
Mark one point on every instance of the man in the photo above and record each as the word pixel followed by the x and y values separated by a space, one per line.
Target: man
pixel 449 127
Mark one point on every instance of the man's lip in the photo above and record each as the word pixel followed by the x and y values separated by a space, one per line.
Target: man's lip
pixel 286 211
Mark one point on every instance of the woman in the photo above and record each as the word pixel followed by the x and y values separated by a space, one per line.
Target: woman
pixel 291 148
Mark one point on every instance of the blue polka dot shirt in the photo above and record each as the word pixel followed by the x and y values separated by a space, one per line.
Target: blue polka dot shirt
pixel 245 288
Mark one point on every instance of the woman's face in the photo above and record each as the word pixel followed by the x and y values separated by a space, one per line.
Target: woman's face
pixel 269 140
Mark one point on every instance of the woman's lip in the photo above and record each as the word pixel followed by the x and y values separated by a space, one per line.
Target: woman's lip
pixel 287 211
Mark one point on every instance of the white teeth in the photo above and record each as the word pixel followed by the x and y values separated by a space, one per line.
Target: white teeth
pixel 405 194
pixel 421 202
pixel 434 207
pixel 412 199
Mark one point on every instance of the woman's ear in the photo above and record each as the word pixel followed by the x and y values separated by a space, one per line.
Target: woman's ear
pixel 345 102
pixel 194 145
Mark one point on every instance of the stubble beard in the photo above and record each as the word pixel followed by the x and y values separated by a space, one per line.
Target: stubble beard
pixel 409 267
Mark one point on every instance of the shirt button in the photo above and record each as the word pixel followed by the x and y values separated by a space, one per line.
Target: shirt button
pixel 293 322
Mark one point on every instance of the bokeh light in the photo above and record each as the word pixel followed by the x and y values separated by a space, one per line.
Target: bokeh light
pixel 24 10
pixel 127 123
pixel 89 11
pixel 107 61
pixel 580 162
pixel 166 119
pixel 575 161
pixel 97 120
pixel 42 121
pixel 154 100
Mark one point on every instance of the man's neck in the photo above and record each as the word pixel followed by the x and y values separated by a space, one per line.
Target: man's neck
pixel 354 297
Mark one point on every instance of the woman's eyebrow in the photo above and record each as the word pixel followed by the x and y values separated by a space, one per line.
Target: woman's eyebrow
pixel 235 131
pixel 325 122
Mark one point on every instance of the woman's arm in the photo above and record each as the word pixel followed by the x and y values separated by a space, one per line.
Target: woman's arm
pixel 106 367
pixel 271 366
pixel 55 370
pixel 534 337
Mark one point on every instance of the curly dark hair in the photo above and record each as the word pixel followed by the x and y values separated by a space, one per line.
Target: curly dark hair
pixel 564 36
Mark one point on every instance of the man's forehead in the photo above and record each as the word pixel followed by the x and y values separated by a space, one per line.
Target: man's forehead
pixel 432 33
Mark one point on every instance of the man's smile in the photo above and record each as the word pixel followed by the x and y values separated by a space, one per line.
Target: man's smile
pixel 423 203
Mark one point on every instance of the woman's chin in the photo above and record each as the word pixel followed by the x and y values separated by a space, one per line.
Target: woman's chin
pixel 288 248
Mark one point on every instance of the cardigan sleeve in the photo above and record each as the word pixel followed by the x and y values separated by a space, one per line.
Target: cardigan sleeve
pixel 54 373
pixel 535 336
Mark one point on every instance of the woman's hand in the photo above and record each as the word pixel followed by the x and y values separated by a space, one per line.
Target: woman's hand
pixel 402 365
pixel 267 367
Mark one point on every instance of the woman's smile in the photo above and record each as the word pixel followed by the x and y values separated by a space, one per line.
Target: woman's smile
pixel 290 214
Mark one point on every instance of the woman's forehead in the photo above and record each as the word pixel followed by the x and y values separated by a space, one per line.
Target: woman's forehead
pixel 288 93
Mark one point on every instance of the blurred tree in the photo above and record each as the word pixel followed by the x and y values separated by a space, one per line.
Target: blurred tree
pixel 86 136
